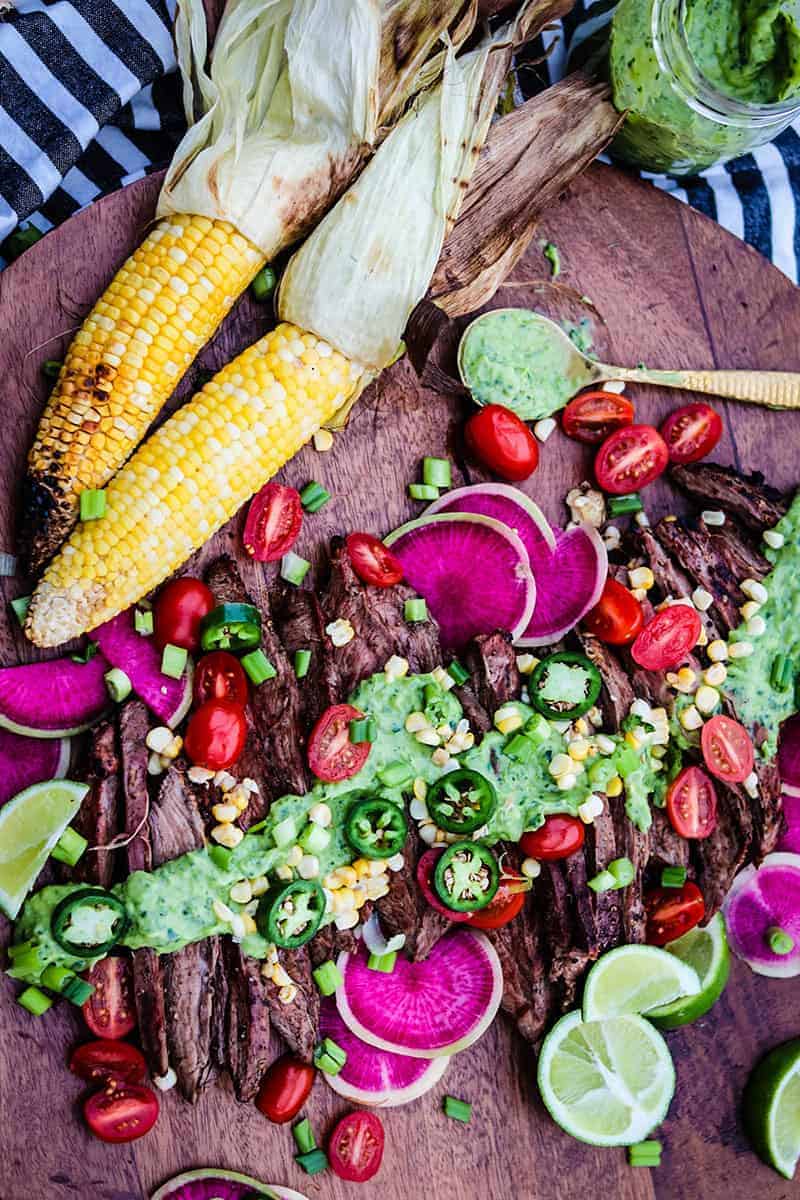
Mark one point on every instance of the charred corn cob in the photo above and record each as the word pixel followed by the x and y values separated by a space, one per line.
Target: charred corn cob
pixel 191 476
pixel 162 306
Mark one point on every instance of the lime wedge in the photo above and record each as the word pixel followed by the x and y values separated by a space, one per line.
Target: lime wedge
pixel 635 979
pixel 608 1083
pixel 772 1108
pixel 706 950
pixel 30 825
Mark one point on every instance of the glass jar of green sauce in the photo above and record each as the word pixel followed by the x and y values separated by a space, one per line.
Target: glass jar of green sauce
pixel 702 80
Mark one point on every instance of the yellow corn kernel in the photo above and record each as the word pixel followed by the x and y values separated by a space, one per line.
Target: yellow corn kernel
pixel 361 896
pixel 614 787
pixel 527 663
pixel 343 899
pixel 242 892
pixel 715 675
pixel 222 912
pixel 581 727
pixel 578 749
pixel 420 788
pixel 560 764
pixel 416 722
pixel 249 924
pixel 632 740
pixel 508 719
pixel 718 650
pixel 323 440
pixel 227 835
pixel 641 577
pixel 259 885
pixel 690 718
pixel 224 813
pixel 361 868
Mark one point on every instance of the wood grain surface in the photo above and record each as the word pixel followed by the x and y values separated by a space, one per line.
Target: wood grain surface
pixel 668 288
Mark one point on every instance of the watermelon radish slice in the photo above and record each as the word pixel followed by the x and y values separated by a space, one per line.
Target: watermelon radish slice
pixel 169 699
pixel 25 761
pixel 206 1183
pixel 53 699
pixel 762 899
pixel 473 571
pixel 789 752
pixel 790 840
pixel 424 1009
pixel 377 1077
pixel 503 503
pixel 569 580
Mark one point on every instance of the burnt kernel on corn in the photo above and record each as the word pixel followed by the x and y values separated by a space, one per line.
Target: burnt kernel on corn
pixel 190 477
pixel 157 313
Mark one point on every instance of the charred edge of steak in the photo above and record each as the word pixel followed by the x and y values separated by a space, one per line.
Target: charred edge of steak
pixel 494 675
pixel 301 626
pixel 617 695
pixel 697 553
pixel 528 997
pixel 671 580
pixel 748 497
pixel 298 1021
pixel 742 558
pixel 99 817
pixel 248 1040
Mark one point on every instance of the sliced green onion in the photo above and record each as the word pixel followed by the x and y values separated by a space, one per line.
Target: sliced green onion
pixel 313 1162
pixel 8 565
pixel 258 667
pixel 93 504
pixel 782 672
pixel 604 881
pixel 17 949
pixel 423 491
pixel 329 1057
pixel 396 775
pixel 304 1138
pixel 780 942
pixel 363 729
pixel 70 847
pixel 173 660
pixel 35 1001
pixel 521 747
pixel 87 654
pixel 285 832
pixel 415 610
pixel 436 473
pixel 263 285
pixel 315 838
pixel 459 1110
pixel 538 729
pixel 221 855
pixel 143 622
pixel 645 1154
pixel 28 961
pixel 623 871
pixel 118 684
pixel 20 607
pixel 294 568
pixel 673 877
pixel 328 977
pixel 551 253
pixel 51 367
pixel 313 496
pixel 382 962
pixel 621 506
pixel 302 661
pixel 67 984
pixel 458 672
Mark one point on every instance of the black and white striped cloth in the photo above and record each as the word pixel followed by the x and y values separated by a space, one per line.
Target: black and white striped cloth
pixel 89 101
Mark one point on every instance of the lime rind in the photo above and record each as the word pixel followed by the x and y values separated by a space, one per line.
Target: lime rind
pixel 772 1108
pixel 30 825
pixel 636 979
pixel 706 949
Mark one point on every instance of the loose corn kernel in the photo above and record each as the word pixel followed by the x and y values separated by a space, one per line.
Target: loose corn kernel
pixel 717 650
pixel 418 809
pixel 614 787
pixel 396 862
pixel 702 637
pixel 347 876
pixel 428 737
pixel 242 892
pixel 756 626
pixel 308 867
pixel 154 764
pixel 320 814
pixel 440 757
pixel 427 832
pixel 323 441
pixel 559 765
pixel 224 781
pixel 773 538
pixel 750 609
pixel 586 813
pixel 224 813
pixel 361 868
pixel 702 599
pixel 567 781
pixel 444 731
pixel 443 678
pixel 581 727
pixel 643 521
pixel 741 649
pixel 284 872
pixel 420 788
pixel 396 667
pixel 531 868
pixel 578 749
pixel 507 719
pixel 199 774
pixel 690 718
pixel 287 994
pixel 639 594
pixel 222 912
pixel 633 740
pixel 713 516
pixel 227 835
pixel 173 748
pixel 755 590
pixel 751 785
pixel 249 924
pixel 684 680
pixel 612 537
pixel 343 899
pixel 641 577
pixel 378 887
pixel 715 675
pixel 706 699
pixel 238 928
pixel 346 920
pixel 259 885
pixel 360 895
pixel 158 739
pixel 416 722
pixel 294 856
pixel 280 976
pixel 605 744
pixel 543 428
pixel 341 632
pixel 526 663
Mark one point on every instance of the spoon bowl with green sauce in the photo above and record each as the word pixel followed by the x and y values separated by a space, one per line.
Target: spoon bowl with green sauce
pixel 524 361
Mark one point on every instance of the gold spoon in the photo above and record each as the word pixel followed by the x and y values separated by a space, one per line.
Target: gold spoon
pixel 774 389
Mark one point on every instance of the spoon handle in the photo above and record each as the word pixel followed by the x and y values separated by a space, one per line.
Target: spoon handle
pixel 774 389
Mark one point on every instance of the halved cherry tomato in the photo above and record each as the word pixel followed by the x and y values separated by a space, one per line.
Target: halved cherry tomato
pixel 331 754
pixel 105 1062
pixel 110 1012
pixel 425 868
pixel 692 803
pixel 502 442
pixel 219 676
pixel 630 459
pixel 559 837
pixel 355 1148
pixel 617 617
pixel 121 1114
pixel 672 912
pixel 216 734
pixel 727 749
pixel 372 561
pixel 691 432
pixel 273 522
pixel 285 1089
pixel 505 906
pixel 179 608
pixel 667 638
pixel 592 416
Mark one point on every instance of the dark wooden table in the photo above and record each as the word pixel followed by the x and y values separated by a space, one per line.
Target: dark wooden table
pixel 670 288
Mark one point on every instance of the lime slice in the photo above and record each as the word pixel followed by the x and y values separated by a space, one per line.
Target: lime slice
pixel 608 1083
pixel 707 951
pixel 635 979
pixel 772 1108
pixel 30 825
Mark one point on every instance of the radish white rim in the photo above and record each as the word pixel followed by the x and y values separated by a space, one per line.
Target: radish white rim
pixel 601 552
pixel 445 503
pixel 64 759
pixel 394 1097
pixel 186 702
pixel 50 734
pixel 167 1189
pixel 787 968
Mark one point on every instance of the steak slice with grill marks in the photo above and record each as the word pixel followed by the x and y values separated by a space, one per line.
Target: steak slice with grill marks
pixel 617 695
pixel 98 819
pixel 301 625
pixel 671 580
pixel 746 497
pixel 249 1044
pixel 635 845
pixel 528 996
pixel 600 849
pixel 667 848
pixel 742 557
pixel 494 675
pixel 767 808
pixel 567 958
pixel 719 857
pixel 697 553
pixel 298 1021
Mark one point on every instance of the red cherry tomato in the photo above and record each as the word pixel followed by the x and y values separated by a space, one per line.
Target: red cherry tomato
pixel 180 607
pixel 110 1012
pixel 355 1148
pixel 372 561
pixel 502 442
pixel 692 803
pixel 219 676
pixel 617 617
pixel 105 1062
pixel 285 1089
pixel 273 522
pixel 667 638
pixel 727 749
pixel 425 868
pixel 331 754
pixel 672 912
pixel 691 432
pixel 505 906
pixel 559 837
pixel 630 459
pixel 121 1114
pixel 592 416
pixel 216 734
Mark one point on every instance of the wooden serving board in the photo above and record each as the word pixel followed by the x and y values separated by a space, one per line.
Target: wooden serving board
pixel 670 288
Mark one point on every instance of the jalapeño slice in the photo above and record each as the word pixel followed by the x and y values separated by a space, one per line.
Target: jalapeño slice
pixel 466 877
pixel 462 801
pixel 88 922
pixel 564 686
pixel 235 627
pixel 289 915
pixel 376 828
